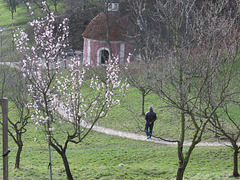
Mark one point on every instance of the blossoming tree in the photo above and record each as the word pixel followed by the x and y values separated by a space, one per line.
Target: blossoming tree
pixel 67 102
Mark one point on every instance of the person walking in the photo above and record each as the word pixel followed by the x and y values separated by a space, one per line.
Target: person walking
pixel 150 117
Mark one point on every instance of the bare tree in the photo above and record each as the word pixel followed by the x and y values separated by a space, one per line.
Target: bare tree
pixel 12 6
pixel 189 48
pixel 14 87
pixel 228 129
pixel 137 76
pixel 46 5
pixel 226 119
pixel 19 97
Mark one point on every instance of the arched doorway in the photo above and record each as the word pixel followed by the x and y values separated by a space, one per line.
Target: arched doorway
pixel 104 56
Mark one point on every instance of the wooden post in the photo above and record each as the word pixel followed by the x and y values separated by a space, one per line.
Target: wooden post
pixel 1 30
pixel 5 137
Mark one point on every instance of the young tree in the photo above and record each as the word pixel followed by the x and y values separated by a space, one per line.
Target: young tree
pixel 13 87
pixel 226 119
pixel 42 4
pixel 12 6
pixel 228 128
pixel 189 54
pixel 63 98
pixel 19 96
pixel 137 76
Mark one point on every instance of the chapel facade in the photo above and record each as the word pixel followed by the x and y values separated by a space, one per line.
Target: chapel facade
pixel 107 33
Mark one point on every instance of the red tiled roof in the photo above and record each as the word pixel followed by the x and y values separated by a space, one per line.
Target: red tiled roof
pixel 97 28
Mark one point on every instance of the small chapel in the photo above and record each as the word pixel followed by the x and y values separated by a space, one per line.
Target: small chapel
pixel 106 33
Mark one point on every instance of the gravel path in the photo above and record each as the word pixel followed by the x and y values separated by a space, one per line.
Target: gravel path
pixel 144 138
pixel 127 134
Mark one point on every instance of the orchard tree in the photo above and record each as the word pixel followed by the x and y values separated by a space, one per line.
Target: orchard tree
pixel 41 4
pixel 46 5
pixel 137 76
pixel 18 95
pixel 228 129
pixel 193 49
pixel 14 87
pixel 226 119
pixel 12 6
pixel 66 102
pixel 55 3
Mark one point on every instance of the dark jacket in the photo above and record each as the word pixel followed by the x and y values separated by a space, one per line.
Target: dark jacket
pixel 150 117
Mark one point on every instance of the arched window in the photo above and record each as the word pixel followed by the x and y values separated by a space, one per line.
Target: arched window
pixel 104 56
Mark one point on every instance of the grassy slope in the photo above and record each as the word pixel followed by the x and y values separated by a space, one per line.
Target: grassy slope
pixel 109 157
pixel 20 20
pixel 167 124
pixel 20 17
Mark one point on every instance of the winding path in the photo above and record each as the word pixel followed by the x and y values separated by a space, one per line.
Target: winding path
pixel 144 138
pixel 127 134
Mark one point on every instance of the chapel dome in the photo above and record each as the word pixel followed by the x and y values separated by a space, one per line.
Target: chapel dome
pixel 97 28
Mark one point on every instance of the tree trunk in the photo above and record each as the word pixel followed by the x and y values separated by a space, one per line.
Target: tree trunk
pixel 143 99
pixel 215 120
pixel 55 7
pixel 17 161
pixel 181 165
pixel 181 170
pixel 66 165
pixel 235 159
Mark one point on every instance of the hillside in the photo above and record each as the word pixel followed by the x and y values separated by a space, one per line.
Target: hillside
pixel 188 70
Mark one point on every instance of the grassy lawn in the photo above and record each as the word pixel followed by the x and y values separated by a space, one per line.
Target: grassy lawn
pixel 167 124
pixel 20 20
pixel 109 157
pixel 102 156
pixel 20 17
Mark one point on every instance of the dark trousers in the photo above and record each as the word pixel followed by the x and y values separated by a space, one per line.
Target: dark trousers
pixel 148 129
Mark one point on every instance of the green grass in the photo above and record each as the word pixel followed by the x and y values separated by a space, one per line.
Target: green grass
pixel 20 20
pixel 102 156
pixel 166 126
pixel 20 17
pixel 109 157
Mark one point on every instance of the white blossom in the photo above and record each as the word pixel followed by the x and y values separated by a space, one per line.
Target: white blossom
pixel 68 90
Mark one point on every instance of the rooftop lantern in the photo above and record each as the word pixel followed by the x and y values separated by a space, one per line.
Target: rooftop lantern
pixel 113 5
